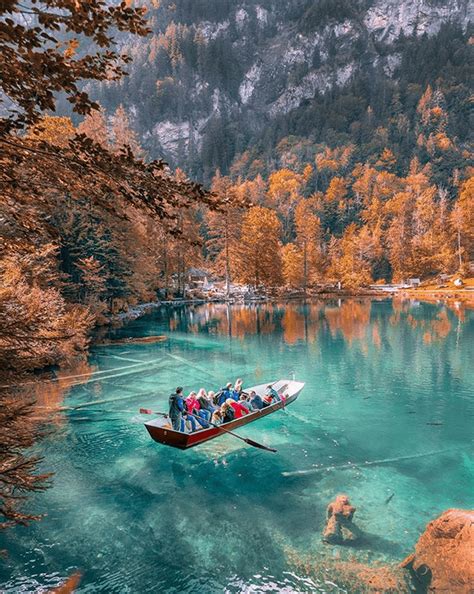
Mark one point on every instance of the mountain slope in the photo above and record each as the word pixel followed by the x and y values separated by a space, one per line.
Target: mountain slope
pixel 218 77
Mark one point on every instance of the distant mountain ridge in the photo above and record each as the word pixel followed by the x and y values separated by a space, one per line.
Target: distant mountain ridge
pixel 216 74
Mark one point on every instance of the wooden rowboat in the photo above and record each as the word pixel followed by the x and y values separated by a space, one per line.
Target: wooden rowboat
pixel 161 430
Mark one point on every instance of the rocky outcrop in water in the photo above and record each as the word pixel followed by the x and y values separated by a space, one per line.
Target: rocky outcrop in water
pixel 339 526
pixel 443 560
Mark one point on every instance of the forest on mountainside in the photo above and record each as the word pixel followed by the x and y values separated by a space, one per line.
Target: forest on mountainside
pixel 200 78
pixel 368 181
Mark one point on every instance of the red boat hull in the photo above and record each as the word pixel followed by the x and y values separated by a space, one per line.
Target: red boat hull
pixel 176 439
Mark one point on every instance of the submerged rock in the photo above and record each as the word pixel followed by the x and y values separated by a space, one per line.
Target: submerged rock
pixel 69 585
pixel 444 554
pixel 339 526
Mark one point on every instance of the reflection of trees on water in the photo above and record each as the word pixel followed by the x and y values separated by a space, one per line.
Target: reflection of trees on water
pixel 352 319
pixel 49 394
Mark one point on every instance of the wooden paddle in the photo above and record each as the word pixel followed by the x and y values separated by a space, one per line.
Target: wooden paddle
pixel 250 442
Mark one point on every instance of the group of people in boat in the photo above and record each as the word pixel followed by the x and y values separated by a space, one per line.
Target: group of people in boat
pixel 202 409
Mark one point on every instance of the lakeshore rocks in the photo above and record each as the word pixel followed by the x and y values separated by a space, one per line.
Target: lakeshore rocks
pixel 443 560
pixel 339 526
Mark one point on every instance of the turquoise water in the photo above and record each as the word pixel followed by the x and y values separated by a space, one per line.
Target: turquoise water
pixel 387 409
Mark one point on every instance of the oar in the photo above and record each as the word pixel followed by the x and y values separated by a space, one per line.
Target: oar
pixel 250 442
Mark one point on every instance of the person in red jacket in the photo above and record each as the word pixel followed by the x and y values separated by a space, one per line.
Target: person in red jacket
pixel 239 409
pixel 193 407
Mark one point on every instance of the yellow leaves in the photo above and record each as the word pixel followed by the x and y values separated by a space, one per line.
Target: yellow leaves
pixel 443 142
pixel 308 224
pixel 172 40
pixel 251 191
pixel 71 48
pixel 53 130
pixel 94 126
pixel 293 265
pixel 425 100
pixel 307 172
pixel 259 249
pixel 387 160
pixel 436 112
pixel 351 257
pixel 284 185
pixel 337 190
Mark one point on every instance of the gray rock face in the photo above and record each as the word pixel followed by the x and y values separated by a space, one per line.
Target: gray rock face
pixel 386 19
pixel 291 62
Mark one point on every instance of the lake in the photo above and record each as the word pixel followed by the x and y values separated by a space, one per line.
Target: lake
pixel 386 416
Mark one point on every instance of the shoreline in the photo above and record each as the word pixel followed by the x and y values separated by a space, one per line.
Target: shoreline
pixel 457 296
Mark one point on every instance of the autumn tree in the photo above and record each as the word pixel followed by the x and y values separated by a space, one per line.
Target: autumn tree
pixel 224 228
pixel 372 190
pixel 350 258
pixel 94 126
pixel 431 244
pixel 259 259
pixel 252 191
pixel 309 239
pixel 399 235
pixel 284 190
pixel 336 208
pixel 56 131
pixel 293 265
pixel 462 219
pixel 331 162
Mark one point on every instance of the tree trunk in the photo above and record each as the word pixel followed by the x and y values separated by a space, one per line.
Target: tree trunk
pixel 227 257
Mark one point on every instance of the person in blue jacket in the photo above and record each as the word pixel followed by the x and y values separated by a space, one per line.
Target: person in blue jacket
pixel 176 409
pixel 178 413
pixel 271 396
pixel 223 394
pixel 255 400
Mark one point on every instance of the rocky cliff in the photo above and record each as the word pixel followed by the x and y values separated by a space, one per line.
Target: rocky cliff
pixel 216 68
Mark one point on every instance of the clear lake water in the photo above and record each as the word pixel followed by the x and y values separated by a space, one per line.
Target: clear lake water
pixel 386 416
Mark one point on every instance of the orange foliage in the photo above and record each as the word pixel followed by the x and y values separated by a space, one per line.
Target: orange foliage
pixel 53 130
pixel 334 159
pixel 258 259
